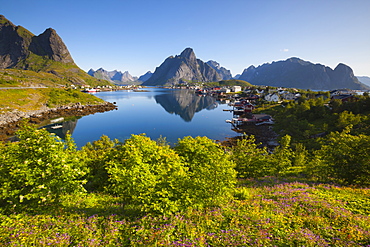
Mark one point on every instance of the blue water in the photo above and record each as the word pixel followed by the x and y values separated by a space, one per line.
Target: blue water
pixel 160 112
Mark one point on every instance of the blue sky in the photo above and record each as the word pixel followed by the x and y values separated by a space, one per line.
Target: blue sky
pixel 137 35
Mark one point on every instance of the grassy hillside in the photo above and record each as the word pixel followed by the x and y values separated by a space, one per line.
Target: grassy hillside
pixel 228 83
pixel 58 75
pixel 270 213
pixel 34 99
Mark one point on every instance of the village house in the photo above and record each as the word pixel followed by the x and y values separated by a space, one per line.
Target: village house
pixel 272 97
pixel 341 92
pixel 236 89
pixel 289 96
pixel 344 97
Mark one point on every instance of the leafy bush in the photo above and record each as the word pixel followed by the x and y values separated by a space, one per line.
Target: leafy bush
pixel 210 172
pixel 96 156
pixel 196 173
pixel 38 169
pixel 147 175
pixel 251 161
pixel 345 158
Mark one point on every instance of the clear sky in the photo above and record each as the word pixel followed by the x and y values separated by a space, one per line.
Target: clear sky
pixel 137 35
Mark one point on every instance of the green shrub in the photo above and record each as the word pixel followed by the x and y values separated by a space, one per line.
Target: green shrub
pixel 211 176
pixel 96 156
pixel 37 170
pixel 344 158
pixel 197 173
pixel 251 161
pixel 147 175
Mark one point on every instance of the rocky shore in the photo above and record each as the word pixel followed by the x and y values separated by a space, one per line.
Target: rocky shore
pixel 10 121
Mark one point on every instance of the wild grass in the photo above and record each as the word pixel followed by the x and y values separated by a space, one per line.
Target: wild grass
pixel 269 212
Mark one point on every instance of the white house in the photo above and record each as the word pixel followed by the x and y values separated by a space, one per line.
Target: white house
pixel 272 97
pixel 236 89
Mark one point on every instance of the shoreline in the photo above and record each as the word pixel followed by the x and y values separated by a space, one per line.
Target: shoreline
pixel 11 121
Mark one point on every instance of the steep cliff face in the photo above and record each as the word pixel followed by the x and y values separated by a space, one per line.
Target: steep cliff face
pixel 18 44
pixel 51 45
pixel 182 68
pixel 298 73
pixel 14 43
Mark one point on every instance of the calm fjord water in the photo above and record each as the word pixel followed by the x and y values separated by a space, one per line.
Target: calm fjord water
pixel 158 112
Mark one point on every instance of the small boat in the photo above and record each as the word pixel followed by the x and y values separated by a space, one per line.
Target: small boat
pixel 58 126
pixel 88 90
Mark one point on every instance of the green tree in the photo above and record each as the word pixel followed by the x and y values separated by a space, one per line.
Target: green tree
pixel 345 157
pixel 282 157
pixel 211 176
pixel 96 156
pixel 147 175
pixel 251 161
pixel 38 169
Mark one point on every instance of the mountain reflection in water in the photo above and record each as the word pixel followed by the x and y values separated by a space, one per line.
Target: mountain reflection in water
pixel 185 103
pixel 156 112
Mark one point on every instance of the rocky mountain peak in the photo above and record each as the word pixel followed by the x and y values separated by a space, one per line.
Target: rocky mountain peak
pixel 189 54
pixel 17 44
pixel 50 44
pixel 182 69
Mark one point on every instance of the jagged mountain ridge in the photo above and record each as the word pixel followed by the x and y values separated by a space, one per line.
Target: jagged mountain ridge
pixel 22 50
pixel 113 76
pixel 17 43
pixel 297 73
pixel 182 68
pixel 223 72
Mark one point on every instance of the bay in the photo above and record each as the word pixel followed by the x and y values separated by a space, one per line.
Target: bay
pixel 157 112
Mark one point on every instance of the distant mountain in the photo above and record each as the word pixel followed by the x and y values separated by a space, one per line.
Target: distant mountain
pixel 237 76
pixel 114 76
pixel 364 79
pixel 182 68
pixel 297 73
pixel 224 73
pixel 21 49
pixel 145 77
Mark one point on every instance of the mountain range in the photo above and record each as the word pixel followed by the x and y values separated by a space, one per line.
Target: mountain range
pixel 297 73
pixel 22 50
pixel 115 76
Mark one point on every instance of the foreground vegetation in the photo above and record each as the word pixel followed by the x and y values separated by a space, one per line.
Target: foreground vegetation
pixel 143 192
pixel 270 213
pixel 311 191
